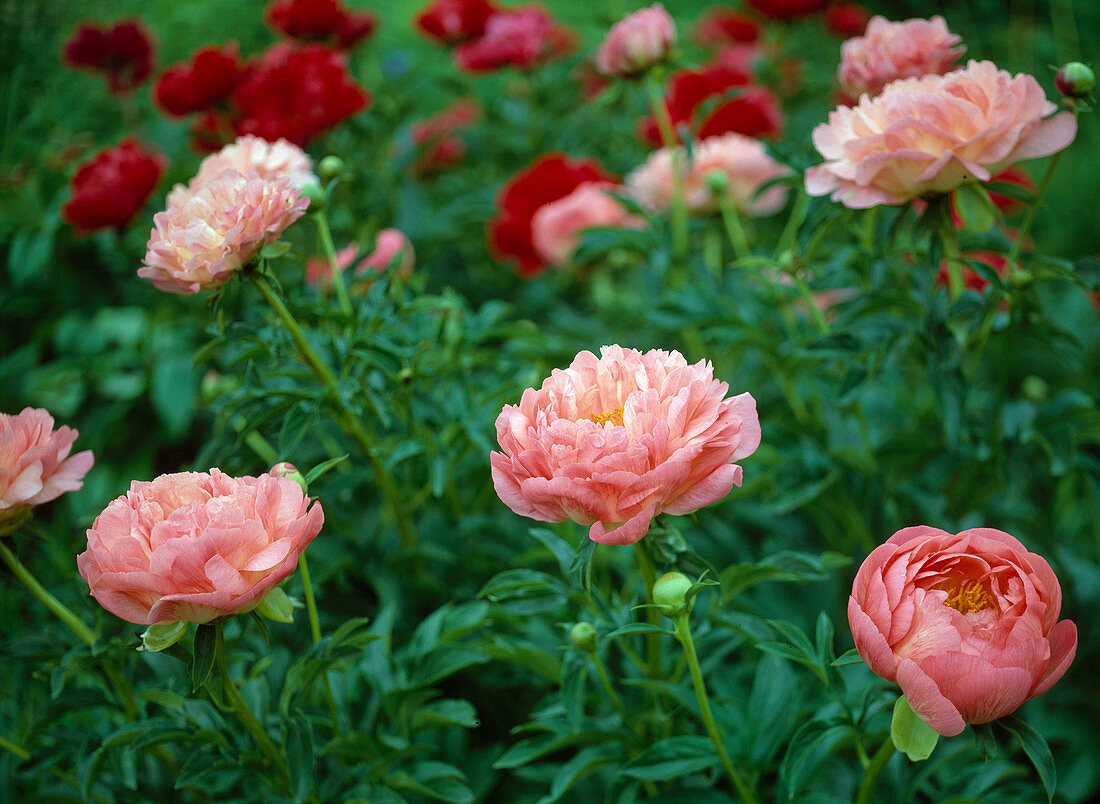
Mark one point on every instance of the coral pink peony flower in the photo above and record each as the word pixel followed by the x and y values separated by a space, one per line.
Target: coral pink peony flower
pixel 320 20
pixel 35 466
pixel 966 625
pixel 931 134
pixel 204 238
pixel 556 228
pixel 111 188
pixel 123 52
pixel 889 51
pixel 523 37
pixel 453 21
pixel 743 161
pixel 193 546
pixel 207 80
pixel 268 160
pixel 637 42
pixel 614 441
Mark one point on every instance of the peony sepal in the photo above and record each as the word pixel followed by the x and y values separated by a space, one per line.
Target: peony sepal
pixel 278 606
pixel 911 735
pixel 159 636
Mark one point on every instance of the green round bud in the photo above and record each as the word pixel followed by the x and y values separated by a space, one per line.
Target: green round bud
pixel 1034 389
pixel 290 471
pixel 670 594
pixel 584 637
pixel 718 181
pixel 330 167
pixel 1075 80
pixel 316 195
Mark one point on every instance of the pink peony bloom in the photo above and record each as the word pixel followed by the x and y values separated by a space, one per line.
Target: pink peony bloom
pixel 966 625
pixel 889 51
pixel 269 160
pixel 931 134
pixel 204 238
pixel 192 546
pixel 615 440
pixel 556 227
pixel 35 466
pixel 389 245
pixel 637 42
pixel 743 161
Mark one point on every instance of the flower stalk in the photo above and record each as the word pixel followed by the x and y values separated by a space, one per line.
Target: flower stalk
pixel 330 252
pixel 870 776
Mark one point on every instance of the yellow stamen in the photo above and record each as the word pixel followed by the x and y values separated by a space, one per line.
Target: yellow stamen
pixel 968 598
pixel 615 417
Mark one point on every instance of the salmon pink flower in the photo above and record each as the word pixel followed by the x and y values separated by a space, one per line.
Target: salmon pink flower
pixel 889 51
pixel 35 465
pixel 929 135
pixel 270 161
pixel 195 546
pixel 615 440
pixel 966 625
pixel 637 42
pixel 556 228
pixel 112 187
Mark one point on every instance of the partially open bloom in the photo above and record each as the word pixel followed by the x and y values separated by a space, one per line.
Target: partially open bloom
pixel 548 178
pixel 931 134
pixel 320 20
pixel 35 465
pixel 206 237
pixel 453 21
pixel 207 80
pixel 113 186
pixel 524 37
pixel 742 160
pixel 637 42
pixel 195 546
pixel 889 51
pixel 123 52
pixel 615 440
pixel 556 228
pixel 268 160
pixel 966 625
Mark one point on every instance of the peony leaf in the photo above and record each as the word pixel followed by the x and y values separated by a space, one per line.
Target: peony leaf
pixel 911 735
pixel 1037 750
pixel 206 640
pixel 159 636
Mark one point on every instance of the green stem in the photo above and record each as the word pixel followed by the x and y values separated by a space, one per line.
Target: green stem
pixel 653 617
pixel 347 419
pixel 676 155
pixel 56 607
pixel 606 681
pixel 788 236
pixel 734 230
pixel 808 298
pixel 683 633
pixel 1025 227
pixel 950 237
pixel 244 714
pixel 330 252
pixel 315 633
pixel 870 776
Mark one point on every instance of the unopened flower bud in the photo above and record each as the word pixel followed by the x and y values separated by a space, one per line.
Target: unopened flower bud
pixel 316 195
pixel 718 181
pixel 584 637
pixel 284 469
pixel 670 594
pixel 1075 80
pixel 1034 388
pixel 330 167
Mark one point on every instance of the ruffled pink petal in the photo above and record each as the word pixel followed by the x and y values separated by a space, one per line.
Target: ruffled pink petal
pixel 927 701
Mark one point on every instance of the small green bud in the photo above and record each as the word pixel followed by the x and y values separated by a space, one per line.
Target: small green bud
pixel 330 168
pixel 316 195
pixel 718 181
pixel 670 594
pixel 584 637
pixel 1075 80
pixel 1034 388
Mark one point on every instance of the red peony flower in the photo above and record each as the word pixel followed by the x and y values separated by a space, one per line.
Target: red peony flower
pixel 297 93
pixel 524 37
pixel 123 52
pixel 207 80
pixel 440 146
pixel 320 20
pixel 450 22
pixel 113 186
pixel 753 112
pixel 846 19
pixel 787 9
pixel 720 28
pixel 549 178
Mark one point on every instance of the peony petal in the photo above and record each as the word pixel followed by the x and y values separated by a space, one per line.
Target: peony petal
pixel 927 701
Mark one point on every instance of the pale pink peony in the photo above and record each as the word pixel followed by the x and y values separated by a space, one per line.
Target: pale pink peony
pixel 743 161
pixel 929 135
pixel 35 466
pixel 556 228
pixel 200 242
pixel 193 546
pixel 269 160
pixel 614 441
pixel 637 42
pixel 889 51
pixel 966 625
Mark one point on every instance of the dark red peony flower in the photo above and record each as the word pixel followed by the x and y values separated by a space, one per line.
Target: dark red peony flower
pixel 524 37
pixel 787 9
pixel 753 111
pixel 437 138
pixel 450 22
pixel 123 52
pixel 297 93
pixel 320 21
pixel 113 186
pixel 846 19
pixel 720 28
pixel 548 178
pixel 207 80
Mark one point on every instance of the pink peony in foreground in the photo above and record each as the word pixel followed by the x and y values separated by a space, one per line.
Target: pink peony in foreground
pixel 615 440
pixel 637 42
pixel 931 134
pixel 203 239
pixel 966 625
pixel 743 161
pixel 35 465
pixel 268 160
pixel 195 546
pixel 556 228
pixel 889 51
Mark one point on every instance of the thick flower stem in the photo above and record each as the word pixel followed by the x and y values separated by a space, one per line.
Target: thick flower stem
pixel 244 714
pixel 56 607
pixel 870 776
pixel 653 617
pixel 315 633
pixel 734 230
pixel 950 238
pixel 348 420
pixel 330 252
pixel 683 633
pixel 668 138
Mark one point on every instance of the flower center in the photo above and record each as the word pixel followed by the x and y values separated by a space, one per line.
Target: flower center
pixel 615 417
pixel 969 597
